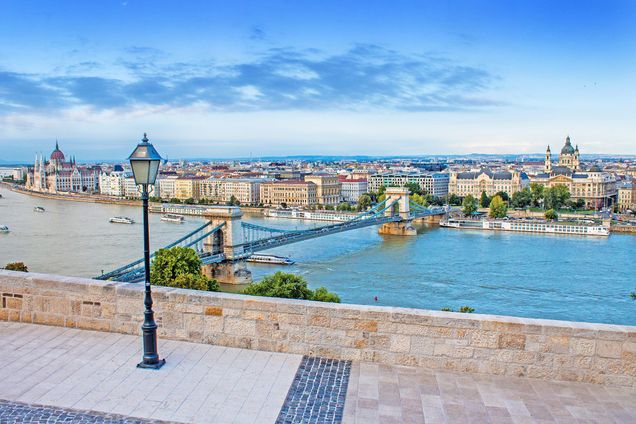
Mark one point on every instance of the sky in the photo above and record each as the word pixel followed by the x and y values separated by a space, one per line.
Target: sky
pixel 273 78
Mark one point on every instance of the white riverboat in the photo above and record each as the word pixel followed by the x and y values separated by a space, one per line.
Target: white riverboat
pixel 270 259
pixel 4 229
pixel 38 209
pixel 169 217
pixel 529 226
pixel 121 220
pixel 332 216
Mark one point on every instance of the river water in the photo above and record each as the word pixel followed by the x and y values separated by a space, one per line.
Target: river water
pixel 556 277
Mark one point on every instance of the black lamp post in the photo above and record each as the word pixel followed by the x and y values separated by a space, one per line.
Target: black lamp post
pixel 144 161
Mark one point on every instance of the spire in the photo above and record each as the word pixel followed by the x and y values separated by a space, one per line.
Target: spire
pixel 57 147
pixel 548 148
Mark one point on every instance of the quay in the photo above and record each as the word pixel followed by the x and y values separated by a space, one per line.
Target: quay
pixel 70 346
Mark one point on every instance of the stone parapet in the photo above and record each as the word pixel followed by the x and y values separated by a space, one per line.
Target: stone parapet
pixel 490 344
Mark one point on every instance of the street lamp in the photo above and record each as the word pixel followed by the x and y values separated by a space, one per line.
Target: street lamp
pixel 144 161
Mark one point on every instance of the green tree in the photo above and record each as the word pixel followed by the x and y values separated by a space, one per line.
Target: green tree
pixel 189 201
pixel 329 207
pixel 180 267
pixel 536 190
pixel 343 206
pixel 364 202
pixel 381 190
pixel 551 214
pixel 484 201
pixel 504 196
pixel 414 188
pixel 289 286
pixel 419 199
pixel 154 199
pixel 16 266
pixel 454 200
pixel 498 208
pixel 233 201
pixel 469 205
pixel 175 200
pixel 522 199
pixel 556 197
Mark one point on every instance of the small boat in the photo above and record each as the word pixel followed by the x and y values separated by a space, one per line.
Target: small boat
pixel 121 220
pixel 169 217
pixel 4 229
pixel 38 209
pixel 271 259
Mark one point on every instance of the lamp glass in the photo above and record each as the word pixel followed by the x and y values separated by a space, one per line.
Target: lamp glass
pixel 141 170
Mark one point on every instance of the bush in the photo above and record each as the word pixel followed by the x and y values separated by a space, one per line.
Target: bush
pixel 289 286
pixel 551 214
pixel 466 309
pixel 16 266
pixel 180 267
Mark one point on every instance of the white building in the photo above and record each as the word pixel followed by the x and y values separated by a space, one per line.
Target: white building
pixel 434 183
pixel 221 190
pixel 352 189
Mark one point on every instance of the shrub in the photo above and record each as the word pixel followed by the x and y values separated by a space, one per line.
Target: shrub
pixel 289 286
pixel 16 266
pixel 551 215
pixel 466 309
pixel 180 267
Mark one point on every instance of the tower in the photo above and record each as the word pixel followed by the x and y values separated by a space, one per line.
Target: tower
pixel 576 161
pixel 548 160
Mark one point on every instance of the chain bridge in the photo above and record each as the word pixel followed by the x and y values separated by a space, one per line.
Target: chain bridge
pixel 226 241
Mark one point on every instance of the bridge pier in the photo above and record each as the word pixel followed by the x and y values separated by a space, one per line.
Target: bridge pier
pixel 401 208
pixel 229 241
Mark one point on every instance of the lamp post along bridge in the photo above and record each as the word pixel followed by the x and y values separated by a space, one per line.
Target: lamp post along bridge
pixel 226 241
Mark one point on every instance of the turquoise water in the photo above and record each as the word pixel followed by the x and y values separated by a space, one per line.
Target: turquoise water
pixel 557 277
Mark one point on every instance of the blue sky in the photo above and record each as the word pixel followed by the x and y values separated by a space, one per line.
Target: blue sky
pixel 238 78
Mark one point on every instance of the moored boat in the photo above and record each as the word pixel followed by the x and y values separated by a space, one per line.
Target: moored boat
pixel 4 229
pixel 121 220
pixel 530 226
pixel 169 217
pixel 270 259
pixel 38 209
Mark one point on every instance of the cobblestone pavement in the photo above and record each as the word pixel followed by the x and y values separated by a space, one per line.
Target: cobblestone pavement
pixel 318 392
pixel 388 394
pixel 19 413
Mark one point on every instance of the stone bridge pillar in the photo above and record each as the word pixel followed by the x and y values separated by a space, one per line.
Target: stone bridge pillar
pixel 403 227
pixel 228 241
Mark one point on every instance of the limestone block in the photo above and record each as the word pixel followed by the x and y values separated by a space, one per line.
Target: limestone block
pixel 609 349
pixel 48 319
pixel 488 339
pixel 318 320
pixel 585 347
pixel 422 345
pixel 558 344
pixel 213 324
pixel 400 343
pixel 239 327
pixel 512 341
pixel 213 310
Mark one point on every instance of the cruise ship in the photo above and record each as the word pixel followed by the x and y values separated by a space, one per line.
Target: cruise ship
pixel 121 220
pixel 270 259
pixel 529 226
pixel 173 218
pixel 333 216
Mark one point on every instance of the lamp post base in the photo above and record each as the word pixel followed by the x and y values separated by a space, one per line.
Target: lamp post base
pixel 154 366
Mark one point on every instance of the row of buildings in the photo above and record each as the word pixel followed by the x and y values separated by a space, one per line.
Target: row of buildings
pixel 311 183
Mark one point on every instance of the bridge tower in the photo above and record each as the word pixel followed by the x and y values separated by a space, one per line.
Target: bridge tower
pixel 229 241
pixel 403 227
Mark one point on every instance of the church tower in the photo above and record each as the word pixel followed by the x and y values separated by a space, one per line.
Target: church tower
pixel 548 160
pixel 576 163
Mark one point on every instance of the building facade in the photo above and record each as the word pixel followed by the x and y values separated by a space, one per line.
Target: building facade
pixel 486 180
pixel 59 175
pixel 328 188
pixel 352 189
pixel 627 196
pixel 594 186
pixel 290 193
pixel 434 183
pixel 221 190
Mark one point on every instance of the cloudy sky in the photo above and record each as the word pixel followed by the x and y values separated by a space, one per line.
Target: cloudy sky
pixel 241 78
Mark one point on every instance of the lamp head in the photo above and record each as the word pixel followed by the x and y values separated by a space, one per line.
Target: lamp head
pixel 144 161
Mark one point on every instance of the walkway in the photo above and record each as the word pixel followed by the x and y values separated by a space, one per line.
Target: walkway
pixel 52 374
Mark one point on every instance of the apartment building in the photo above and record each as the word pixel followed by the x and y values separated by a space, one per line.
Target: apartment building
pixel 290 193
pixel 328 188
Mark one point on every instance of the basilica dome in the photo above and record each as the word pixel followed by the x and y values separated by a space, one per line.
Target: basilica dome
pixel 567 149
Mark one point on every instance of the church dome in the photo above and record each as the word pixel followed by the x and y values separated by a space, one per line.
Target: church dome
pixel 567 149
pixel 57 154
pixel 595 168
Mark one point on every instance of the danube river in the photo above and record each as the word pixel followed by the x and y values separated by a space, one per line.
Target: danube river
pixel 557 277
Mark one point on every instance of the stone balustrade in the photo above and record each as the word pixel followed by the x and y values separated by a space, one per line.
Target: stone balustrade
pixel 545 349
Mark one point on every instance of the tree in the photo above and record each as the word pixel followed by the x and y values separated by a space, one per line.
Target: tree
pixel 420 200
pixel 343 206
pixel 551 215
pixel 329 207
pixel 414 188
pixel 536 190
pixel 484 201
pixel 155 199
pixel 522 199
pixel 555 197
pixel 175 200
pixel 289 286
pixel 233 201
pixel 454 200
pixel 498 208
pixel 469 205
pixel 16 266
pixel 504 196
pixel 381 190
pixel 364 202
pixel 180 267
pixel 189 201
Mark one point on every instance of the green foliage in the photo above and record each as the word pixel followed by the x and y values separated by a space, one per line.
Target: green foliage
pixel 175 200
pixel 233 201
pixel 522 199
pixel 469 205
pixel 381 197
pixel 484 201
pixel 155 199
pixel 551 215
pixel 555 197
pixel 419 199
pixel 454 200
pixel 414 188
pixel 536 190
pixel 329 207
pixel 466 310
pixel 381 191
pixel 498 208
pixel 289 286
pixel 364 202
pixel 504 196
pixel 447 309
pixel 344 206
pixel 189 201
pixel 180 267
pixel 16 266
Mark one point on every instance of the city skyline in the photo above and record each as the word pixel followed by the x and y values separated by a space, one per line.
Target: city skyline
pixel 252 80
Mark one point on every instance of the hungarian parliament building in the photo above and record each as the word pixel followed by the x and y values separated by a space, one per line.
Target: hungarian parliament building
pixel 59 175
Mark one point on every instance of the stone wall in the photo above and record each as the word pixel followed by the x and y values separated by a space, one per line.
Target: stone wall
pixel 555 350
